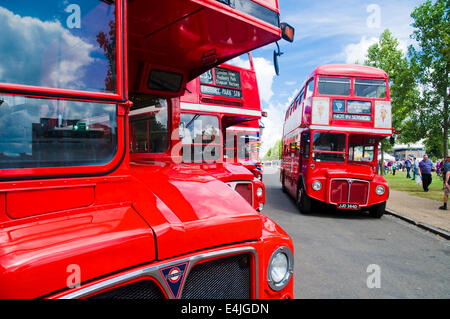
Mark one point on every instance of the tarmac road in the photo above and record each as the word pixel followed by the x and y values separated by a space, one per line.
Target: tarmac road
pixel 333 251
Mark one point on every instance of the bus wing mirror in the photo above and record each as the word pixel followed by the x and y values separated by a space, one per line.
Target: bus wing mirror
pixel 287 32
pixel 277 53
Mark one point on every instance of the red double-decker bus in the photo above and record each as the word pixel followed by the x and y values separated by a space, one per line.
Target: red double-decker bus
pixel 217 103
pixel 87 212
pixel 249 135
pixel 331 135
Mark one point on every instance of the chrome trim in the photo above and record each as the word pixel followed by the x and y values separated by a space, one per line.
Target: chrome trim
pixel 349 190
pixel 283 283
pixel 154 273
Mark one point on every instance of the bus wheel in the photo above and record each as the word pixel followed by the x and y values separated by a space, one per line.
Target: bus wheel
pixel 304 202
pixel 377 211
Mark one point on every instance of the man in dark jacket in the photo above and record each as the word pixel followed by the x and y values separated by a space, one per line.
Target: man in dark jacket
pixel 425 167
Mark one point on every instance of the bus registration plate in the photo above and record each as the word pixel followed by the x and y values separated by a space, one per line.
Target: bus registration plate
pixel 348 206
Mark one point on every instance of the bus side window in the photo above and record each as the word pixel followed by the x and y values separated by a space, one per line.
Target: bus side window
pixel 305 145
pixel 310 89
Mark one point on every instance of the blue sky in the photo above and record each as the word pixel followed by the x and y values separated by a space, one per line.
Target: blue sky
pixel 326 32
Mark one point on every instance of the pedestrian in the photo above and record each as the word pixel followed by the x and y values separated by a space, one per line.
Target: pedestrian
pixel 408 168
pixel 394 168
pixel 441 168
pixel 445 167
pixel 415 168
pixel 425 167
pixel 446 174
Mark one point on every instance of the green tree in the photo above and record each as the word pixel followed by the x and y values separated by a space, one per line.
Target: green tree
pixel 431 63
pixel 275 152
pixel 387 55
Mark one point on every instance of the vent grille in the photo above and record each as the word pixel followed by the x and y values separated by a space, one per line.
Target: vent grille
pixel 349 191
pixel 144 289
pixel 226 278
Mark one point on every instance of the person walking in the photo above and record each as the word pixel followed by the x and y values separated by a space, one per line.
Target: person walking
pixel 415 168
pixel 408 168
pixel 446 174
pixel 394 168
pixel 425 167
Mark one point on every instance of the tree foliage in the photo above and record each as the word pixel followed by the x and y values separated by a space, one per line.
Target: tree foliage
pixel 387 55
pixel 430 61
pixel 275 152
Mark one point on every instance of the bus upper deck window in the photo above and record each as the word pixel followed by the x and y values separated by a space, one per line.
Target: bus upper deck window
pixel 370 88
pixel 334 86
pixel 57 44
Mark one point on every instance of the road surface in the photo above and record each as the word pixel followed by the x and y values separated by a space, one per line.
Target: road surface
pixel 341 254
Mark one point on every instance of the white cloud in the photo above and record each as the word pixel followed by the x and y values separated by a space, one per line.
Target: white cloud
pixel 358 52
pixel 41 52
pixel 273 123
pixel 265 74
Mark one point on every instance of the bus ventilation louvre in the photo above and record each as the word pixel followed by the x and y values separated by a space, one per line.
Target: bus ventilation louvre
pixel 347 191
pixel 225 278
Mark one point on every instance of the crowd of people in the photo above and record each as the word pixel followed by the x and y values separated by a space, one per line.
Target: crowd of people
pixel 421 171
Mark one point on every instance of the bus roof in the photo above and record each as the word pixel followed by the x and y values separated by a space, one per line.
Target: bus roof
pixel 349 70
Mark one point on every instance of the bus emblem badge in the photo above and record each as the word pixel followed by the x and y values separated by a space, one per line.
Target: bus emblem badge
pixel 174 277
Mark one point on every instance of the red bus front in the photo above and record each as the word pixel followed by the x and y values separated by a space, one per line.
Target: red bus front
pixel 331 136
pixel 213 106
pixel 84 213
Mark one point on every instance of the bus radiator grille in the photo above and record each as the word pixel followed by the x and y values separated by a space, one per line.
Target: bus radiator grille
pixel 225 278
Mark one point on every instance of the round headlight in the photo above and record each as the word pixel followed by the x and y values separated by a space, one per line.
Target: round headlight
pixel 261 207
pixel 281 267
pixel 259 191
pixel 380 190
pixel 317 186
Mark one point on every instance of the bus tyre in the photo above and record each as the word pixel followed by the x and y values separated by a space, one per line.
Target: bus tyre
pixel 304 202
pixel 377 211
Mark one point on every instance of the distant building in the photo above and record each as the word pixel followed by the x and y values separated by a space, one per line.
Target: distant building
pixel 402 151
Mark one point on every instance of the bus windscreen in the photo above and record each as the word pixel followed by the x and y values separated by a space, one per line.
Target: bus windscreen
pixel 55 133
pixel 370 88
pixel 334 86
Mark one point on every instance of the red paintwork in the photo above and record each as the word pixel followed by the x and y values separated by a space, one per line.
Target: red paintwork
pixel 232 112
pixel 139 209
pixel 297 170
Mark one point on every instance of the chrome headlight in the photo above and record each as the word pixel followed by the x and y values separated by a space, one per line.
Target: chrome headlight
pixel 261 207
pixel 259 191
pixel 380 190
pixel 317 185
pixel 281 268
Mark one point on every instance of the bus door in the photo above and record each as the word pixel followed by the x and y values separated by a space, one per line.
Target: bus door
pixel 305 146
pixel 295 166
